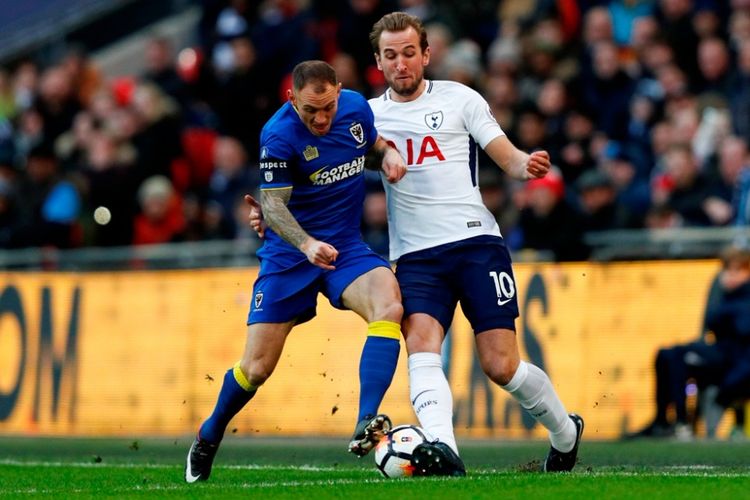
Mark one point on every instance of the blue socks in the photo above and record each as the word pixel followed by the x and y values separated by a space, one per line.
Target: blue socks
pixel 232 398
pixel 377 365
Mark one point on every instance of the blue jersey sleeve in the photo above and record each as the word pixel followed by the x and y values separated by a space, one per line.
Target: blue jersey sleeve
pixel 277 159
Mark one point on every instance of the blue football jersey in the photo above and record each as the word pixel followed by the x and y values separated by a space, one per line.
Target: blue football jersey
pixel 326 173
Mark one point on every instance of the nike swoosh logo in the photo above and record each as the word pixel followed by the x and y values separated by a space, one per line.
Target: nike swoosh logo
pixel 189 477
pixel 502 302
pixel 414 401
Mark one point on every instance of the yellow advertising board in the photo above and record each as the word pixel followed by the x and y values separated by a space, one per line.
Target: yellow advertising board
pixel 144 353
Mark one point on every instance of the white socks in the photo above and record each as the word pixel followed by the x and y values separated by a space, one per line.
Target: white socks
pixel 531 387
pixel 431 397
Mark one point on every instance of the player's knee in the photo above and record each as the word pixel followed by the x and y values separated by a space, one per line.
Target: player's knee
pixel 256 373
pixel 500 370
pixel 392 310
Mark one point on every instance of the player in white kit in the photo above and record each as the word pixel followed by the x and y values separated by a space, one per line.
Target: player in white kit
pixel 448 246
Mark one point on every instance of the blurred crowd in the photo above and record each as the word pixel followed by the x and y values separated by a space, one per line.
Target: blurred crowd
pixel 643 105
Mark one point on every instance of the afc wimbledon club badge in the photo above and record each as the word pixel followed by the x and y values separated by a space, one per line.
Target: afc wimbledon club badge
pixel 268 175
pixel 310 153
pixel 258 299
pixel 357 133
pixel 434 120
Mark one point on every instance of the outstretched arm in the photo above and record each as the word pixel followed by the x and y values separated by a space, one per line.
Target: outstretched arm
pixel 280 219
pixel 516 163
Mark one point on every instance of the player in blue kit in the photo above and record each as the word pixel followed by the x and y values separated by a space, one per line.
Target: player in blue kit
pixel 312 192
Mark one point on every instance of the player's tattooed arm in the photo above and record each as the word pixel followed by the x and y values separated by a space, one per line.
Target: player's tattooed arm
pixel 280 219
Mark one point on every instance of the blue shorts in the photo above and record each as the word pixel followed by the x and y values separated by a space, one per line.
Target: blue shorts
pixel 475 272
pixel 281 295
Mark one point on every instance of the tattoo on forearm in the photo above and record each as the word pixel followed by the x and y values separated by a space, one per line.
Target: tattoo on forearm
pixel 279 218
pixel 374 159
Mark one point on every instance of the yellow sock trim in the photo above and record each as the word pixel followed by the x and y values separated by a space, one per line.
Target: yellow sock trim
pixel 241 378
pixel 387 329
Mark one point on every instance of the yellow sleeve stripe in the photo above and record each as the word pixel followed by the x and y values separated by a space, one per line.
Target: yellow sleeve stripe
pixel 387 329
pixel 241 378
pixel 276 189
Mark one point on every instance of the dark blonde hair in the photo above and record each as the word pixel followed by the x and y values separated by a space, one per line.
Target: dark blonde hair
pixel 397 21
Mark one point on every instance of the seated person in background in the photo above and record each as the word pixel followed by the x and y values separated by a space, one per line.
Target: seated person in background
pixel 729 320
pixel 721 358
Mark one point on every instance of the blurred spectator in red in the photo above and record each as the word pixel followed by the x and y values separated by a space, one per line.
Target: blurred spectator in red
pixel 161 219
pixel 549 223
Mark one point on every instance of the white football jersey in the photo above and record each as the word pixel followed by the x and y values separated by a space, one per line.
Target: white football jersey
pixel 438 200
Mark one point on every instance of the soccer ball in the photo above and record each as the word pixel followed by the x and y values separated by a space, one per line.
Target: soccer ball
pixel 393 452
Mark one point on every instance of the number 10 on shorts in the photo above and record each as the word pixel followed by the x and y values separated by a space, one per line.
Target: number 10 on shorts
pixel 504 286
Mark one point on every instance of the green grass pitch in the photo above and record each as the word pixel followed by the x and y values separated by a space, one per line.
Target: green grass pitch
pixel 321 468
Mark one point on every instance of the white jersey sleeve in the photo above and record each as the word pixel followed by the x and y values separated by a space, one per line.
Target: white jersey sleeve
pixel 438 200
